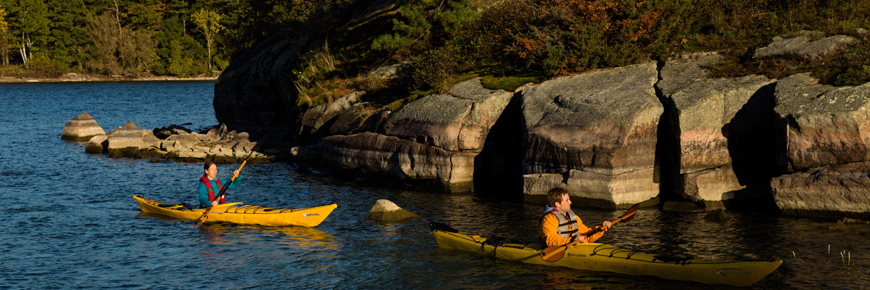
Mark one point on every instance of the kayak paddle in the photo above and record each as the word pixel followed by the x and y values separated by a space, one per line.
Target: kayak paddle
pixel 552 254
pixel 224 190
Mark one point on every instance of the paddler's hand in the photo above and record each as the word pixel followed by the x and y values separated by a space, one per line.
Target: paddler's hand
pixel 214 203
pixel 235 173
pixel 582 239
pixel 606 225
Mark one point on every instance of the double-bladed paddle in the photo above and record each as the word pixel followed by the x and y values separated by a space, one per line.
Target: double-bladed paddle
pixel 224 189
pixel 552 254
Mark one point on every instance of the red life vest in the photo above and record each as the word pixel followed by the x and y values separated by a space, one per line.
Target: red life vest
pixel 211 195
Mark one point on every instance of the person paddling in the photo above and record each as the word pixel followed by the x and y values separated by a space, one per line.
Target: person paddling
pixel 210 185
pixel 559 225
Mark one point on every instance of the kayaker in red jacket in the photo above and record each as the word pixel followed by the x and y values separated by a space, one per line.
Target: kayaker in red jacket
pixel 210 186
pixel 560 226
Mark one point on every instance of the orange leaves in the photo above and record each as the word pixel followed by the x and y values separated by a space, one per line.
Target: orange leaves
pixel 627 20
pixel 525 48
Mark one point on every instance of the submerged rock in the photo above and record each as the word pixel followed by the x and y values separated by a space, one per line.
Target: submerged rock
pixel 387 211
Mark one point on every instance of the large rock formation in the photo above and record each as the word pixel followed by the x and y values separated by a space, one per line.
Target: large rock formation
pixel 823 141
pixel 459 120
pixel 821 125
pixel 595 134
pixel 81 128
pixel 430 143
pixel 718 132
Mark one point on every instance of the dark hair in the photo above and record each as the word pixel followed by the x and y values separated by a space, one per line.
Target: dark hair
pixel 207 165
pixel 555 195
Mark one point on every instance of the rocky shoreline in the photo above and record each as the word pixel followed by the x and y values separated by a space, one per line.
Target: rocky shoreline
pixel 651 133
pixel 657 132
pixel 172 143
pixel 75 77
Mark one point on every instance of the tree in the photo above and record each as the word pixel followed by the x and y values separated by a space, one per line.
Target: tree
pixel 104 38
pixel 31 28
pixel 210 24
pixel 3 28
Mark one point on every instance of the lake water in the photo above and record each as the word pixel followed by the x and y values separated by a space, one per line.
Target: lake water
pixel 69 221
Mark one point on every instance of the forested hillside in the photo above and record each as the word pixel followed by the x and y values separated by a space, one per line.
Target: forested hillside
pixel 47 38
pixel 508 42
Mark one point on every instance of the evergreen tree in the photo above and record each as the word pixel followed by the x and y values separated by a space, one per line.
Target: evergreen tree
pixel 29 28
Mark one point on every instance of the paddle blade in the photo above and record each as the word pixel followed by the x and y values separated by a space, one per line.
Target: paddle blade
pixel 629 214
pixel 553 254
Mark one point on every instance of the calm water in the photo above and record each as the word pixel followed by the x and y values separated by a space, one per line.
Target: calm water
pixel 69 220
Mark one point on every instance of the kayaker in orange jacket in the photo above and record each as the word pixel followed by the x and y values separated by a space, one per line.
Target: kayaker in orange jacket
pixel 559 225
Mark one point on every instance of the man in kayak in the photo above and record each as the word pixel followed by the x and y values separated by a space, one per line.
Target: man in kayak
pixel 210 186
pixel 559 225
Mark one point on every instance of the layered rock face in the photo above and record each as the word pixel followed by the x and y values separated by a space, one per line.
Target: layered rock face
pixel 594 134
pixel 820 126
pixel 81 128
pixel 719 132
pixel 430 143
pixel 612 137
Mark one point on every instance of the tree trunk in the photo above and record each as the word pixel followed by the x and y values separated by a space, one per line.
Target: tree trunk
pixel 24 57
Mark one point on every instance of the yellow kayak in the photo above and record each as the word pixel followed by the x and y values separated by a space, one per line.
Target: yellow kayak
pixel 241 214
pixel 608 258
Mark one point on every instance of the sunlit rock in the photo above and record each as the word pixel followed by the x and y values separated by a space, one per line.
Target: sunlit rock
pixel 718 132
pixel 387 159
pixel 835 191
pixel 386 211
pixel 97 144
pixel 801 43
pixel 81 128
pixel 598 131
pixel 820 125
pixel 128 140
pixel 458 120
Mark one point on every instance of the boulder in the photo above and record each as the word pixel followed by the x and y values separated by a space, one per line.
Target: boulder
pixel 394 71
pixel 165 132
pixel 802 44
pixel 819 125
pixel 325 115
pixel 387 211
pixel 598 131
pixel 459 120
pixel 81 128
pixel 390 158
pixel 719 131
pixel 128 140
pixel 97 145
pixel 835 191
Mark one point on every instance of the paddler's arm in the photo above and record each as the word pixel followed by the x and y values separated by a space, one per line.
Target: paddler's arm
pixel 237 181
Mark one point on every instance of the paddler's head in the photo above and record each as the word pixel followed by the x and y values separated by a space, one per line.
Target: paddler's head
pixel 559 199
pixel 210 169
